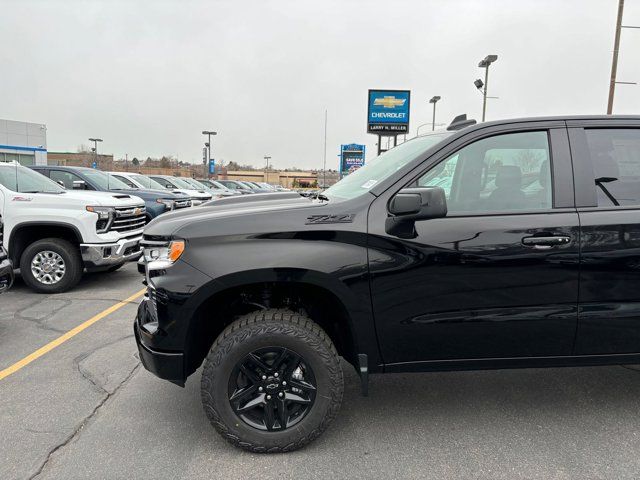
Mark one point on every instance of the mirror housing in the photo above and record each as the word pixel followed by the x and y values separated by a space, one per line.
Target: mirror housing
pixel 79 185
pixel 412 204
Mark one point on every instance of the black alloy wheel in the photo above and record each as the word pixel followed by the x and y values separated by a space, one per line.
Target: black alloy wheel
pixel 272 388
pixel 272 381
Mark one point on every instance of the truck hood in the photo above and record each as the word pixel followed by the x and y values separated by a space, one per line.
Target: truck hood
pixel 235 206
pixel 104 199
pixel 150 194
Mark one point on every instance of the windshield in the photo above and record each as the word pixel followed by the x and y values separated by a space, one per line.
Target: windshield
pixel 381 167
pixel 196 183
pixel 218 185
pixel 146 182
pixel 231 185
pixel 23 180
pixel 105 181
pixel 180 183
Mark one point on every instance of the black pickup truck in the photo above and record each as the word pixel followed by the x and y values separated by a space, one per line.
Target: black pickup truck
pixel 505 244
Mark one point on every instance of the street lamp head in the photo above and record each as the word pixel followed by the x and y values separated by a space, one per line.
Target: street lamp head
pixel 95 139
pixel 434 99
pixel 206 132
pixel 479 84
pixel 488 60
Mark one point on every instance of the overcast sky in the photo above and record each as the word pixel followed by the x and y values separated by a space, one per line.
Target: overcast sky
pixel 149 76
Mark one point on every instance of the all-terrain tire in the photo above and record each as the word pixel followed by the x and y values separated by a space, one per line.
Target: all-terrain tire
pixel 272 328
pixel 64 249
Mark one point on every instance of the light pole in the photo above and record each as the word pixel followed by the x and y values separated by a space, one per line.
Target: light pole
pixel 95 149
pixel 208 145
pixel 488 60
pixel 266 168
pixel 434 100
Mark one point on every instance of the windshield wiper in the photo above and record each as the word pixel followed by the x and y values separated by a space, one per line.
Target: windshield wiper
pixel 322 196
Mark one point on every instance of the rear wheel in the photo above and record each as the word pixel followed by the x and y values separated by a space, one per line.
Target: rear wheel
pixel 51 265
pixel 272 382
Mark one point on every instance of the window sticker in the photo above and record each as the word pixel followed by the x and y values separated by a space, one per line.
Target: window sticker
pixel 369 184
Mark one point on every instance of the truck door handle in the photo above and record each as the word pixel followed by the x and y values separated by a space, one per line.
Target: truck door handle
pixel 545 243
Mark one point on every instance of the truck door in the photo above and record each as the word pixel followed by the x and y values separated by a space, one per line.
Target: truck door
pixel 498 276
pixel 606 156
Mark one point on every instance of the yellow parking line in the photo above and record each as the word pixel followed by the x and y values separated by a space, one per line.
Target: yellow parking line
pixel 70 334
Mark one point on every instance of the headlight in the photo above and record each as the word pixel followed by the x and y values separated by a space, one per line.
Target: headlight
pixel 106 215
pixel 169 204
pixel 163 256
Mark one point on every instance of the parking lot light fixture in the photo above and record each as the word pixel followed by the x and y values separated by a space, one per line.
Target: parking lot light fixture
pixel 434 100
pixel 208 133
pixel 95 149
pixel 266 168
pixel 485 63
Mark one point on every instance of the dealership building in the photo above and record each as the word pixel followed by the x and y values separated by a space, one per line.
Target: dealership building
pixel 23 142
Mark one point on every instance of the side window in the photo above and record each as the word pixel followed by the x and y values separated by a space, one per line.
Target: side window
pixel 66 179
pixel 615 154
pixel 125 180
pixel 502 173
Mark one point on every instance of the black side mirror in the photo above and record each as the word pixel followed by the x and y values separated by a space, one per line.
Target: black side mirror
pixel 412 204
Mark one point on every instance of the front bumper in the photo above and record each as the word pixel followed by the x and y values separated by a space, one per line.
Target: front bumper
pixel 96 255
pixel 165 365
pixel 6 275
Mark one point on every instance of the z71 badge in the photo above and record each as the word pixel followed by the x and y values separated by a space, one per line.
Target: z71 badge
pixel 321 219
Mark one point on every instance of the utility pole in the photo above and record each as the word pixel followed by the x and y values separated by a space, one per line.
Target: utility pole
pixel 614 62
pixel 434 100
pixel 324 164
pixel 209 133
pixel 95 149
pixel 266 168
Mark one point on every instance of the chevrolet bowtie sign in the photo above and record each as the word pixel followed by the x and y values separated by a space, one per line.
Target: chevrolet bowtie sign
pixel 388 112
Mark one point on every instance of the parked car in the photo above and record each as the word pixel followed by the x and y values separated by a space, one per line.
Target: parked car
pixel 394 274
pixel 255 187
pixel 6 265
pixel 266 185
pixel 215 193
pixel 198 196
pixel 53 234
pixel 217 186
pixel 82 178
pixel 138 181
pixel 236 186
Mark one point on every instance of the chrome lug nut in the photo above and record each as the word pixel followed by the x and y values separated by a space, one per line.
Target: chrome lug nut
pixel 275 374
pixel 284 382
pixel 268 397
pixel 259 389
pixel 264 377
pixel 281 394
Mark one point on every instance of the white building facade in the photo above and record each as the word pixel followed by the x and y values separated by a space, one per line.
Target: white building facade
pixel 23 142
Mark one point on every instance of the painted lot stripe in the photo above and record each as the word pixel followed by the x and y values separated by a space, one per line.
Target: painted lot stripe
pixel 70 334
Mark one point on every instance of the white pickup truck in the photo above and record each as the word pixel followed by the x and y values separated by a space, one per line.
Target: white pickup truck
pixel 53 235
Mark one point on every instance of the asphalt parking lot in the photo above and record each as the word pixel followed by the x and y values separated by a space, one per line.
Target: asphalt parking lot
pixel 86 409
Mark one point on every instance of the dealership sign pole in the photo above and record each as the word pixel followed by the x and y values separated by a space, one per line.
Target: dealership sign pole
pixel 388 114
